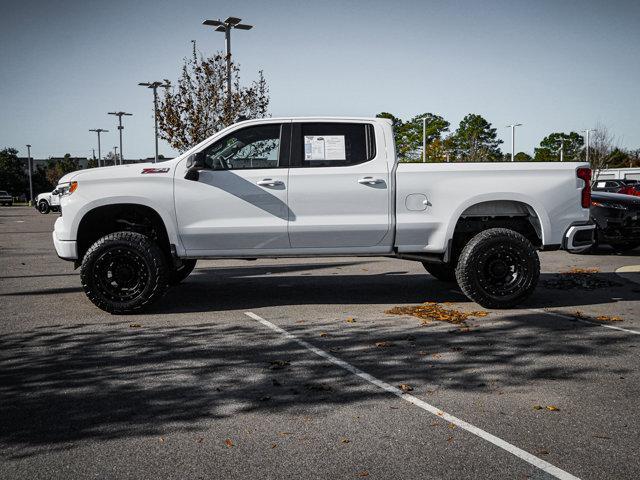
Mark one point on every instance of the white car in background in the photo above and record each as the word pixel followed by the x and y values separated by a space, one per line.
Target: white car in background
pixel 47 202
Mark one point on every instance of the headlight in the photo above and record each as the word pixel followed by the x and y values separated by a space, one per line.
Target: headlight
pixel 618 206
pixel 66 188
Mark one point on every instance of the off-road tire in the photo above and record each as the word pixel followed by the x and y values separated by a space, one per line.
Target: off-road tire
pixel 176 275
pixel 43 207
pixel 124 272
pixel 498 268
pixel 444 272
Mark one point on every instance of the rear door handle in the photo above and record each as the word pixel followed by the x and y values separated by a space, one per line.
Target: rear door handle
pixel 268 182
pixel 370 181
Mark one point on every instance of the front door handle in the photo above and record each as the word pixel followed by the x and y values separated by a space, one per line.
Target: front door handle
pixel 370 181
pixel 268 182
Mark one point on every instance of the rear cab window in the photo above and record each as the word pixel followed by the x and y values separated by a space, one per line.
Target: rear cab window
pixel 327 144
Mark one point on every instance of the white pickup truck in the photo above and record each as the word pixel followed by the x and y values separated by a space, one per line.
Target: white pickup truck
pixel 47 202
pixel 311 187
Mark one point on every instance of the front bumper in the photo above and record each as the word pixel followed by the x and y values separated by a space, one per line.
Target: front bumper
pixel 579 238
pixel 66 249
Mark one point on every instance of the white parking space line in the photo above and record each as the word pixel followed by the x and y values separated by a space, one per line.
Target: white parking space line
pixel 569 317
pixel 583 320
pixel 512 449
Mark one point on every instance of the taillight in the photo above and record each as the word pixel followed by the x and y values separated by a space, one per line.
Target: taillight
pixel 585 174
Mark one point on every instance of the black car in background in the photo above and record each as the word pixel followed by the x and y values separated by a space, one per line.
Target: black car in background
pixel 613 185
pixel 5 198
pixel 617 219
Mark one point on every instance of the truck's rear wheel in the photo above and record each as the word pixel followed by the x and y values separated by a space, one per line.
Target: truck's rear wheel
pixel 124 272
pixel 498 268
pixel 445 272
pixel 176 275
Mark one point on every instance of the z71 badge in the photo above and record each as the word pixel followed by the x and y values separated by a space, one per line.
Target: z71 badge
pixel 155 170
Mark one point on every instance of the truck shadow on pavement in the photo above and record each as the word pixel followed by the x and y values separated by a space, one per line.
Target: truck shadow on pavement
pixel 62 385
pixel 220 289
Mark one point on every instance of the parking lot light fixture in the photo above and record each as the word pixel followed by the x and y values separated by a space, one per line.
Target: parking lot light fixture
pixel 30 173
pixel 586 142
pixel 120 128
pixel 99 131
pixel 226 26
pixel 513 139
pixel 154 86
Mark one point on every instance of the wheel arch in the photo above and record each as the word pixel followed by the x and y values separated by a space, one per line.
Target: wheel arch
pixel 99 220
pixel 502 205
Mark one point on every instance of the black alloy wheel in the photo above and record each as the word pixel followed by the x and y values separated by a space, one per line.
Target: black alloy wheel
pixel 124 272
pixel 498 268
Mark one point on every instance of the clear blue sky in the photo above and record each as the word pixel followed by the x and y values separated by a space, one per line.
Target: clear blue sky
pixel 551 65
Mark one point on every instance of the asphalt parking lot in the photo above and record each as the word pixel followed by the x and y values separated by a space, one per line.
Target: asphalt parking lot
pixel 291 368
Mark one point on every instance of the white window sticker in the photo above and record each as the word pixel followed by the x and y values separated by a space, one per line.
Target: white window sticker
pixel 324 147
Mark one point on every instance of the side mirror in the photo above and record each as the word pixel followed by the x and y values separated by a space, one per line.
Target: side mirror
pixel 195 163
pixel 55 192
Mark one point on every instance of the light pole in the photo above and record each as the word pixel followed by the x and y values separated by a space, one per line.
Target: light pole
pixel 226 27
pixel 586 142
pixel 30 181
pixel 424 139
pixel 154 86
pixel 513 139
pixel 120 128
pixel 99 131
pixel 562 149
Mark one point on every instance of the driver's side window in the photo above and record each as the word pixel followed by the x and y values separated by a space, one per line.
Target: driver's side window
pixel 251 147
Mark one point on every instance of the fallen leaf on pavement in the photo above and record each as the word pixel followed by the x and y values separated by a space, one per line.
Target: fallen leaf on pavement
pixel 553 408
pixel 435 311
pixel 405 387
pixel 135 325
pixel 284 434
pixel 543 452
pixel 608 318
pixel 384 344
pixel 537 407
pixel 363 473
pixel 344 440
pixel 279 364
pixel 323 334
pixel 350 320
pixel 229 443
pixel 274 445
pixel 161 439
pixel 580 278
pixel 317 387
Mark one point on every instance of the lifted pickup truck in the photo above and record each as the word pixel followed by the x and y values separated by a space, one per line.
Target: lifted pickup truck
pixel 310 187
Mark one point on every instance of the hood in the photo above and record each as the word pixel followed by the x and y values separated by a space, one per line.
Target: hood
pixel 616 197
pixel 118 171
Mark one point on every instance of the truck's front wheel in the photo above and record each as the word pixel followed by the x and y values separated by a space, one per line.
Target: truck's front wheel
pixel 498 268
pixel 43 207
pixel 124 272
